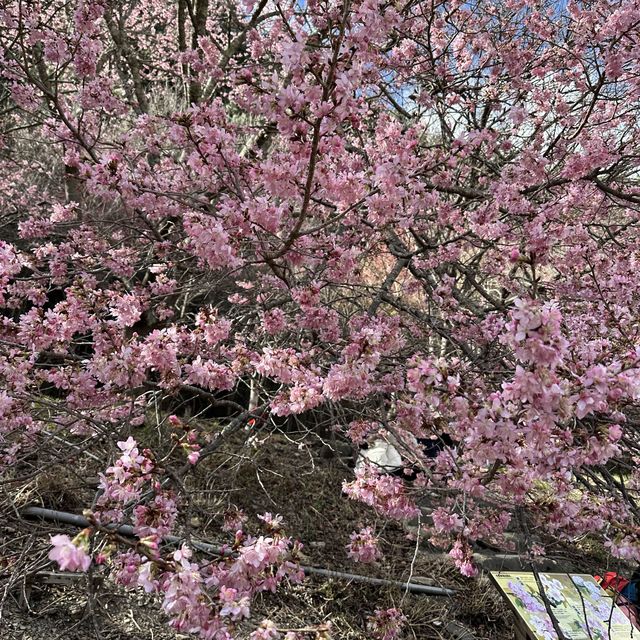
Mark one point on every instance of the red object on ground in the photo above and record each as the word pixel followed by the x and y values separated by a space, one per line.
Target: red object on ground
pixel 612 581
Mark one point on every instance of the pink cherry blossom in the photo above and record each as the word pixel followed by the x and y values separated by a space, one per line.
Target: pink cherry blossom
pixel 363 546
pixel 70 557
pixel 386 624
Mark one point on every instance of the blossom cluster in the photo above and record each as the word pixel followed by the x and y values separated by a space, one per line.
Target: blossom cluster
pixel 70 555
pixel 205 598
pixel 386 624
pixel 364 546
pixel 386 494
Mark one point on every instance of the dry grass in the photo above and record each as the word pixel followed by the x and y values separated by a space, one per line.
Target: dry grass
pixel 278 476
pixel 283 476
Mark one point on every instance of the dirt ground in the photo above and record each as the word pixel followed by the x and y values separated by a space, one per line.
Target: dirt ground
pixel 283 475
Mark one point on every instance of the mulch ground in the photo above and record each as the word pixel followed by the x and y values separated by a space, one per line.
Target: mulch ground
pixel 282 474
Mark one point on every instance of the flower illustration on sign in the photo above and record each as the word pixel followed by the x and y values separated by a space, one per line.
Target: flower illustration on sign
pixel 591 588
pixel 543 627
pixel 552 590
pixel 527 600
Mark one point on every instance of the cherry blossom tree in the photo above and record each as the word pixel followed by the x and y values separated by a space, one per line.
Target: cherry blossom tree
pixel 392 219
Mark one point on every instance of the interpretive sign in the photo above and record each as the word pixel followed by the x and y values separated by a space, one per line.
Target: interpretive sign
pixel 582 609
